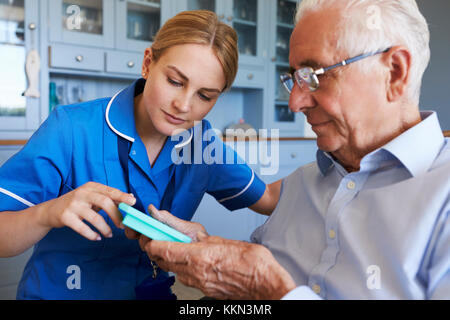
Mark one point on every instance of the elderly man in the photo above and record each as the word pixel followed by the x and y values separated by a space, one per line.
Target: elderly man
pixel 370 218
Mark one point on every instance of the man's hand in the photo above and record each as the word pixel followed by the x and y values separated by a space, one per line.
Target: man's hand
pixel 191 229
pixel 223 269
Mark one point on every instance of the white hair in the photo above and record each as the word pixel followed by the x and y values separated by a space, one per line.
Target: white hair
pixel 372 25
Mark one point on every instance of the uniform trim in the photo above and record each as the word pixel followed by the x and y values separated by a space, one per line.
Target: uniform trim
pixel 109 122
pixel 242 192
pixel 16 197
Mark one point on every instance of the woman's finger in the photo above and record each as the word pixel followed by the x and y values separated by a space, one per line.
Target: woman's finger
pixel 97 221
pixel 73 221
pixel 104 202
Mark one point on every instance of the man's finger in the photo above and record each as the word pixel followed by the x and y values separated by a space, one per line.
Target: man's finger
pixel 167 218
pixel 131 234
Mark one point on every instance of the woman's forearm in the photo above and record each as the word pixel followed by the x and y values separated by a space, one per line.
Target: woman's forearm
pixel 20 230
pixel 269 200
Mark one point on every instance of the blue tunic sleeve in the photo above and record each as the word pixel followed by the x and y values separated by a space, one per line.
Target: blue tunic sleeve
pixel 231 181
pixel 37 172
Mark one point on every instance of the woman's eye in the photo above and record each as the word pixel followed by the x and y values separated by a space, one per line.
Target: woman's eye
pixel 203 97
pixel 175 83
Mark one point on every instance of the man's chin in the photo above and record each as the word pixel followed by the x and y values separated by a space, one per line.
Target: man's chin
pixel 327 143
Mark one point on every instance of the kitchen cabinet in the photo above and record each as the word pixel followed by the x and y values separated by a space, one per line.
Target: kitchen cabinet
pixel 104 40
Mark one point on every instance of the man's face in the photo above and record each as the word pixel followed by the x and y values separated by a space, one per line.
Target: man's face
pixel 347 109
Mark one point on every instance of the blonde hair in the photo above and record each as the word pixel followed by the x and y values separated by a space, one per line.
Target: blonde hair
pixel 201 27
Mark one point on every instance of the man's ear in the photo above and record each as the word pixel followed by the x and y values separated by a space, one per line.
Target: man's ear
pixel 398 60
pixel 148 54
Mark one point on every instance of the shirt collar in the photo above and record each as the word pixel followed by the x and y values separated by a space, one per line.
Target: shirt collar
pixel 416 148
pixel 119 113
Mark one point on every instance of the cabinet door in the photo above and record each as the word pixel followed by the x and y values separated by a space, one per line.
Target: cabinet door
pixel 282 25
pixel 247 18
pixel 138 21
pixel 19 34
pixel 82 22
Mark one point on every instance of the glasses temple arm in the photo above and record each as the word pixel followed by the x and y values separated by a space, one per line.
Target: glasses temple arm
pixel 348 61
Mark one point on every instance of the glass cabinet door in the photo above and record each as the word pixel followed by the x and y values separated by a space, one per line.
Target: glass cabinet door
pixel 82 22
pixel 83 16
pixel 12 54
pixel 245 22
pixel 282 117
pixel 138 21
pixel 202 5
pixel 17 36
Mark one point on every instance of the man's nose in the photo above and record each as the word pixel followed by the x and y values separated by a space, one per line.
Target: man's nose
pixel 300 99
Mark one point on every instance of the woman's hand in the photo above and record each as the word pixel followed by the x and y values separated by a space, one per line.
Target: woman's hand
pixel 83 204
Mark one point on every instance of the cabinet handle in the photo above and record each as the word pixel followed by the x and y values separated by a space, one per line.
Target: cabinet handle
pixel 230 18
pixel 274 59
pixel 250 76
pixel 293 155
pixel 221 17
pixel 130 64
pixel 79 58
pixel 32 26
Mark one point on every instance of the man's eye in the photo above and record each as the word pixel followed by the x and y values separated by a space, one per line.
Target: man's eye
pixel 175 83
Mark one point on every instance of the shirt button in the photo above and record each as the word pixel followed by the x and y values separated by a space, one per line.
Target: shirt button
pixel 133 153
pixel 351 185
pixel 316 288
pixel 332 234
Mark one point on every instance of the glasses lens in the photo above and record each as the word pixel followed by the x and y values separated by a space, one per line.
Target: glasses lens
pixel 306 78
pixel 287 81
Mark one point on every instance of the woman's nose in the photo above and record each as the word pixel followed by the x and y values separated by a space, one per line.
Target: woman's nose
pixel 182 102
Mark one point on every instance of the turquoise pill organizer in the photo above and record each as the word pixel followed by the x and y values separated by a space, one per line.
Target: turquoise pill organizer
pixel 149 226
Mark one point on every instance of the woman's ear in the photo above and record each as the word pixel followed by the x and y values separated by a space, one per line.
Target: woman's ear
pixel 398 60
pixel 146 63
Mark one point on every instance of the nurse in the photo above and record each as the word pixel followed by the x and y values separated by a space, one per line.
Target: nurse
pixel 60 192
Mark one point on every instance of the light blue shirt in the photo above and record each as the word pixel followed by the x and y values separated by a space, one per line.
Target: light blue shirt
pixel 380 233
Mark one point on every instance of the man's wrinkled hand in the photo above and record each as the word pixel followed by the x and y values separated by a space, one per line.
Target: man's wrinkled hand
pixel 223 269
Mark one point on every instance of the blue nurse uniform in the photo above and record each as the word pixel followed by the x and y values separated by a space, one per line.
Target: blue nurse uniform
pixel 81 143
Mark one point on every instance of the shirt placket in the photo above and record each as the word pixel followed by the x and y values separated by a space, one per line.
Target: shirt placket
pixel 347 190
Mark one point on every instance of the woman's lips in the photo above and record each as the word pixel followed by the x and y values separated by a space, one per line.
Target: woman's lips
pixel 173 120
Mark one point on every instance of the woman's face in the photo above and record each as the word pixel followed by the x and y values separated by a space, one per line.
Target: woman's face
pixel 182 86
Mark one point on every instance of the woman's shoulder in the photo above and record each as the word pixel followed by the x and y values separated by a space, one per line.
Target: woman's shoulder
pixel 85 109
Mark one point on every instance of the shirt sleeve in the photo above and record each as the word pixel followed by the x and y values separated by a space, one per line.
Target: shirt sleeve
pixel 231 181
pixel 439 269
pixel 301 293
pixel 37 172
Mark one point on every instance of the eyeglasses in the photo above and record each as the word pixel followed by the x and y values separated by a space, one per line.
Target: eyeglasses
pixel 307 77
